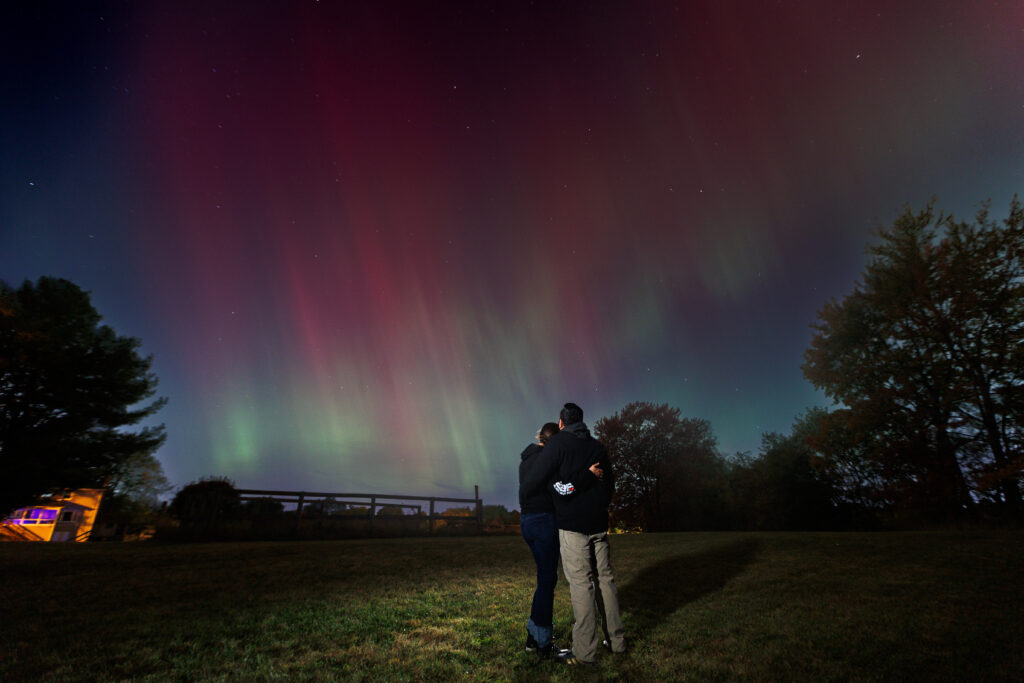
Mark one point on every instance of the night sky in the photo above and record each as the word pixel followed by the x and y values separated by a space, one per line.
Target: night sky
pixel 373 246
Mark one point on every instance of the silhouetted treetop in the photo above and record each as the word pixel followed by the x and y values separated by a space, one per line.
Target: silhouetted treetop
pixel 69 388
pixel 925 359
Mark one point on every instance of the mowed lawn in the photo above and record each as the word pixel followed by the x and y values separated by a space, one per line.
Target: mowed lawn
pixel 697 606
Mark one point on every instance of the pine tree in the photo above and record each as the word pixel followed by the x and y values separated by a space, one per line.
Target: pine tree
pixel 69 389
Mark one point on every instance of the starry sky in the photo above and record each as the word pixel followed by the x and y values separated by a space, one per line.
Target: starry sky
pixel 373 246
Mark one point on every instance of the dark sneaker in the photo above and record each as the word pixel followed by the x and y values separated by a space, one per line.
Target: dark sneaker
pixel 570 659
pixel 531 643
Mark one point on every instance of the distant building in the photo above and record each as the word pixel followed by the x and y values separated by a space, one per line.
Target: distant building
pixel 66 516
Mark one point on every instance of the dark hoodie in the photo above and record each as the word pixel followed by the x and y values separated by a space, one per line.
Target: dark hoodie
pixel 540 500
pixel 567 457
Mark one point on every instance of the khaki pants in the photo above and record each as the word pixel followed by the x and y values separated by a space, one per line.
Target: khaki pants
pixel 584 560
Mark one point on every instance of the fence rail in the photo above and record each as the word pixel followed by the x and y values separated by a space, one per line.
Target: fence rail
pixel 372 501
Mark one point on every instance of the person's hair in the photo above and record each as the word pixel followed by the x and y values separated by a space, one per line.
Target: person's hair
pixel 547 431
pixel 571 414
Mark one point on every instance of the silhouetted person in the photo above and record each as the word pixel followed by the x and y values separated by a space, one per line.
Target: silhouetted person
pixel 537 523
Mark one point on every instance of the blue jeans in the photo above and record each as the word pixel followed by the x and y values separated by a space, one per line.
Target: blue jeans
pixel 541 534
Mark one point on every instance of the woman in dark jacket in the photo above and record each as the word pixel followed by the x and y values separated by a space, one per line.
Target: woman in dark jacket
pixel 537 522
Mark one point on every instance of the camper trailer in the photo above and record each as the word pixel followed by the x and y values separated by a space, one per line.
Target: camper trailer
pixel 63 517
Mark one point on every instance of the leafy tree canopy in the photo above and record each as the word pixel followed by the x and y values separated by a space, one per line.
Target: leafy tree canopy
pixel 781 488
pixel 925 359
pixel 134 490
pixel 203 504
pixel 69 389
pixel 667 468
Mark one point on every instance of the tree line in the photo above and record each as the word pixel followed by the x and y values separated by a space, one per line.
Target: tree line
pixel 671 476
pixel 923 362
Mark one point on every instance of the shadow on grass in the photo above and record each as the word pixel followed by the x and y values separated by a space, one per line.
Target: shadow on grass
pixel 660 590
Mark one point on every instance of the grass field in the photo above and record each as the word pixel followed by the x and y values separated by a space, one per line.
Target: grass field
pixel 711 606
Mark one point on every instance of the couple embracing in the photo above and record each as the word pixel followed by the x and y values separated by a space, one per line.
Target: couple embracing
pixel 565 485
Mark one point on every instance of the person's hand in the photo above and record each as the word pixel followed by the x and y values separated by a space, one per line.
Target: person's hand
pixel 597 471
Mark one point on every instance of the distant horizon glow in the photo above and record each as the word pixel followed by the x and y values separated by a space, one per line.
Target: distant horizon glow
pixel 375 248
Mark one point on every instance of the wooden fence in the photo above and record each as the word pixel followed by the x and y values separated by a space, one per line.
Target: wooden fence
pixel 335 503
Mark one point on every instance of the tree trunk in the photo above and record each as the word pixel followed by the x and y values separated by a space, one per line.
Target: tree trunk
pixel 1008 484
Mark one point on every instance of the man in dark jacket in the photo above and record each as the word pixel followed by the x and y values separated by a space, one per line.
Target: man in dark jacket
pixel 581 513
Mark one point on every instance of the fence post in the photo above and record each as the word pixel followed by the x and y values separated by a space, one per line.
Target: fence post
pixel 430 520
pixel 373 512
pixel 479 509
pixel 298 511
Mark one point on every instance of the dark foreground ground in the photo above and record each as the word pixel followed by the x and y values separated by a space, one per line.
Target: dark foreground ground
pixel 711 606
